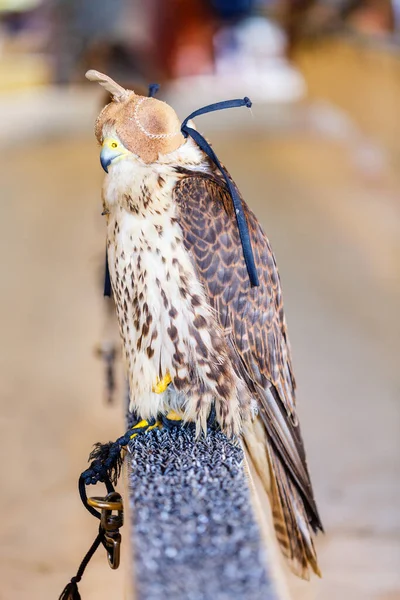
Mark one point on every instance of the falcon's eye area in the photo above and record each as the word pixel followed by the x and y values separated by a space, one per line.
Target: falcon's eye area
pixel 112 151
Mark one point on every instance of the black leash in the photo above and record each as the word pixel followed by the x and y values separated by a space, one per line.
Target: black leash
pixel 107 279
pixel 71 592
pixel 233 191
pixel 105 467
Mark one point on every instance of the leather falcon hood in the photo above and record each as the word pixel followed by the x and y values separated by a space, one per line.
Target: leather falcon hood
pixel 146 126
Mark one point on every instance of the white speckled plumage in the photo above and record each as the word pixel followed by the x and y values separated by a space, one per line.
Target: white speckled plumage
pixel 149 266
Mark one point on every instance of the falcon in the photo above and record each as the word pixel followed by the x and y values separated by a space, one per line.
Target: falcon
pixel 197 335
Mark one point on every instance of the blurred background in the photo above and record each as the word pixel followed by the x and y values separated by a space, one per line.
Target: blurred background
pixel 318 159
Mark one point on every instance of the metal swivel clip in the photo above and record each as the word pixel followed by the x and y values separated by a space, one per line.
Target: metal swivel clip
pixel 110 524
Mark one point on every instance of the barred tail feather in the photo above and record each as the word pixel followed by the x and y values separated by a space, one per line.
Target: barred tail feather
pixel 290 521
pixel 288 512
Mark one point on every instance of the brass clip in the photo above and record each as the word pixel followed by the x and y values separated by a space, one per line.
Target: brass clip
pixel 110 524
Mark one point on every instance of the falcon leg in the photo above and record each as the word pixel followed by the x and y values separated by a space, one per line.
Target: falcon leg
pixel 162 384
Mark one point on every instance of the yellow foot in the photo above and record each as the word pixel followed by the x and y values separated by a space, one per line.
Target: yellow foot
pixel 172 419
pixel 145 424
pixel 173 416
pixel 162 384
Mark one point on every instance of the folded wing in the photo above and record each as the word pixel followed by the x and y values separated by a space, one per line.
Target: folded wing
pixel 255 328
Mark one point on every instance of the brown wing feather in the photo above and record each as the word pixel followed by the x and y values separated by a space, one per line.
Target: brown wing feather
pixel 255 326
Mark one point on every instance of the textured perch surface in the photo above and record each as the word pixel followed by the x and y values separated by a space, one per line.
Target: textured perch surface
pixel 194 531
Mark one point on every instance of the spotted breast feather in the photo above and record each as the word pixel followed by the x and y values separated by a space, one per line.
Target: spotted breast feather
pixel 254 322
pixel 168 329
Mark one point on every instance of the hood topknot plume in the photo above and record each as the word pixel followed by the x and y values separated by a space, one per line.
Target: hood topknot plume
pixel 146 126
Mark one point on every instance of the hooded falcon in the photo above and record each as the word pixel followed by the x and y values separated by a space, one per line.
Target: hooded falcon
pixel 196 334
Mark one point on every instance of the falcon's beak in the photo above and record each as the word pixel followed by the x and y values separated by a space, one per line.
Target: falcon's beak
pixel 111 150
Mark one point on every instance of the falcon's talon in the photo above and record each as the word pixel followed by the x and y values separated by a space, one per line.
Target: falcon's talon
pixel 145 426
pixel 157 424
pixel 162 384
pixel 173 416
pixel 142 423
pixel 171 419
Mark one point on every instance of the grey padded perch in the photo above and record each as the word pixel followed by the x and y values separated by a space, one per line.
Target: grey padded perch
pixel 194 532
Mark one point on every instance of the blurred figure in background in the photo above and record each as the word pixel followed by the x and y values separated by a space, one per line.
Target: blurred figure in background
pixel 81 32
pixel 222 48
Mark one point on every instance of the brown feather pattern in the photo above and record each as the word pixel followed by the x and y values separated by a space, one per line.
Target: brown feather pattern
pixel 255 329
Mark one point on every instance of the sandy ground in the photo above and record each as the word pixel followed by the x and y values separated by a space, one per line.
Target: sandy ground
pixel 335 232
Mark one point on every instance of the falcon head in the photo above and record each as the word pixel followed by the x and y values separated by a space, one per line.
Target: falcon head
pixel 133 125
